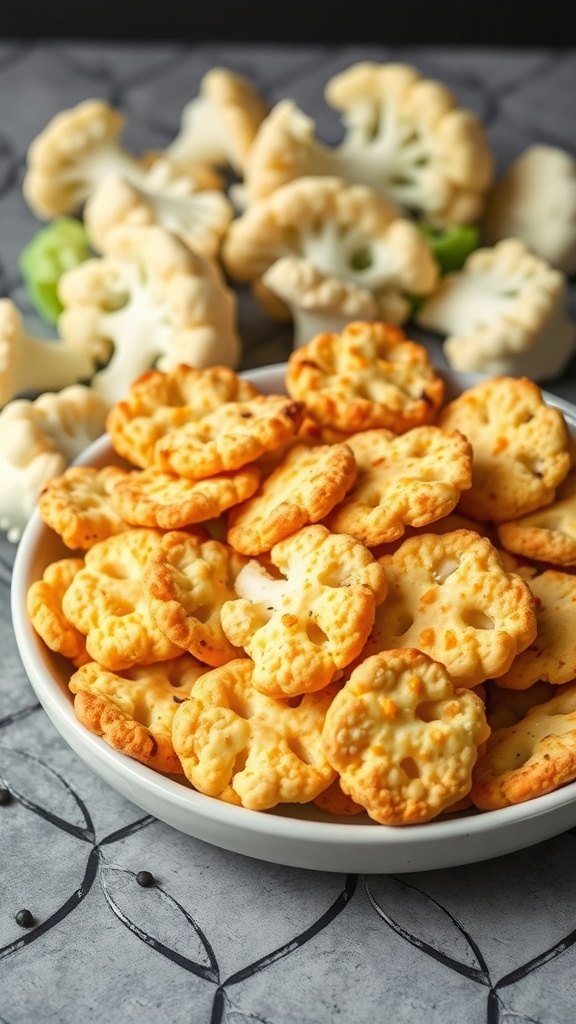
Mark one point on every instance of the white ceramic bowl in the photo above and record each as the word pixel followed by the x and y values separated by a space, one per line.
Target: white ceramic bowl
pixel 300 836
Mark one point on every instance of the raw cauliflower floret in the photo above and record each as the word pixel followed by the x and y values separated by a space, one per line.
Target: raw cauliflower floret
pixel 218 126
pixel 535 201
pixel 164 197
pixel 148 301
pixel 78 161
pixel 347 234
pixel 405 135
pixel 38 439
pixel 320 302
pixel 505 313
pixel 28 363
pixel 75 151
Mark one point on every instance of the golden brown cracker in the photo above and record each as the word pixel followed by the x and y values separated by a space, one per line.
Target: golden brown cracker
pixel 530 758
pixel 133 710
pixel 234 434
pixel 404 480
pixel 403 739
pixel 335 801
pixel 243 747
pixel 551 656
pixel 450 597
pixel 44 606
pixel 521 445
pixel 152 497
pixel 78 505
pixel 106 602
pixel 303 489
pixel 161 400
pixel 312 618
pixel 549 534
pixel 187 580
pixel 369 375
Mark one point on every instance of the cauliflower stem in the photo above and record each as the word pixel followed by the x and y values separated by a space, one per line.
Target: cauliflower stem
pixel 28 363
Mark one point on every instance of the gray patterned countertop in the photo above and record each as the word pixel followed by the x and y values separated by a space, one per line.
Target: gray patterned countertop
pixel 221 937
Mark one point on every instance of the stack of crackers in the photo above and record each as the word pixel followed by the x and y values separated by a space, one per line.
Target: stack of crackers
pixel 357 593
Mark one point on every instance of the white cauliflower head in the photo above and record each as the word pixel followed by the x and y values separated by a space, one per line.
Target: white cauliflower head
pixel 163 196
pixel 72 418
pixel 347 232
pixel 79 148
pixel 148 301
pixel 505 313
pixel 319 302
pixel 38 440
pixel 535 201
pixel 218 126
pixel 405 135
